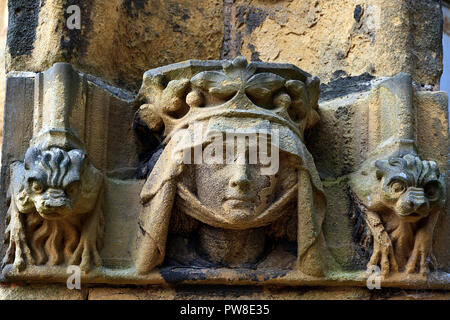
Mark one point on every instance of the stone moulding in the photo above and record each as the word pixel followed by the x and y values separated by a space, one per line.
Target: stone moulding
pixel 162 232
pixel 227 276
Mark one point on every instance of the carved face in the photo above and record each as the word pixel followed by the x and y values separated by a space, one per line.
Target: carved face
pixel 236 191
pixel 52 182
pixel 409 187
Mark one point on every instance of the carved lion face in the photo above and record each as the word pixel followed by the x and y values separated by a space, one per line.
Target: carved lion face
pixel 409 186
pixel 52 182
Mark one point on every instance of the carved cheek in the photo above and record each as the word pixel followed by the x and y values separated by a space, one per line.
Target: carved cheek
pixel 24 203
pixel 402 206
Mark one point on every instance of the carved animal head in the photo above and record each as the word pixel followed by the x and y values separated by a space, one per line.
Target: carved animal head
pixel 409 187
pixel 52 182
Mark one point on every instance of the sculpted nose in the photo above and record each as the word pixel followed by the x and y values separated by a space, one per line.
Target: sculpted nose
pixel 417 200
pixel 55 199
pixel 55 193
pixel 239 178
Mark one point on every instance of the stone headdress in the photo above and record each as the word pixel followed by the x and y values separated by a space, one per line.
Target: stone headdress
pixel 239 97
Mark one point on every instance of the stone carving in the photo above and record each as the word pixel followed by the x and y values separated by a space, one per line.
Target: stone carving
pixel 55 216
pixel 400 206
pixel 224 197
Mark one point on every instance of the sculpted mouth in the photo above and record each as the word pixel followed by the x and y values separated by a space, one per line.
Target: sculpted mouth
pixel 243 199
pixel 413 215
pixel 51 212
pixel 238 202
pixel 50 215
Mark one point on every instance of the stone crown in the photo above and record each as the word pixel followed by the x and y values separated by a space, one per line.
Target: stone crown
pixel 174 96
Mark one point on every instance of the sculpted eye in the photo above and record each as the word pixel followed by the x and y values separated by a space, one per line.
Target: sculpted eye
pixel 432 191
pixel 37 187
pixel 73 188
pixel 397 187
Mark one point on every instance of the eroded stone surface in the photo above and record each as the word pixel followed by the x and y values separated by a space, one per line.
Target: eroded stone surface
pixel 40 292
pixel 351 129
pixel 335 38
pixel 113 33
pixel 326 38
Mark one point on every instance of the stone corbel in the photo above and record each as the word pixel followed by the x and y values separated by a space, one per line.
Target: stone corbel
pixel 398 196
pixel 55 215
pixel 242 97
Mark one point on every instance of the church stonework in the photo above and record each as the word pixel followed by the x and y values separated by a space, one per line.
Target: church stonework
pixel 224 172
pixel 232 201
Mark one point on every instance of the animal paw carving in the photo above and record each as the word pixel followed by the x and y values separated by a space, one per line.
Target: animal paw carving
pixel 17 253
pixel 87 255
pixel 383 255
pixel 421 255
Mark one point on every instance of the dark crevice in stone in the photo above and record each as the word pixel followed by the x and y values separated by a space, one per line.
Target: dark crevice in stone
pixel 150 148
pixel 132 7
pixel 425 87
pixel 255 54
pixel 227 27
pixel 357 14
pixel 22 23
pixel 118 92
pixel 342 85
pixel 252 17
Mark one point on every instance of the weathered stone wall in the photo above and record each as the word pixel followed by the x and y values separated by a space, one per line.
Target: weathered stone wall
pixel 335 38
pixel 54 292
pixel 118 39
pixel 3 31
pixel 347 43
pixel 326 38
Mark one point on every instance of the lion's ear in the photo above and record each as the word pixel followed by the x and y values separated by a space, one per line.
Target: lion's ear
pixel 18 190
pixel 31 156
pixel 382 168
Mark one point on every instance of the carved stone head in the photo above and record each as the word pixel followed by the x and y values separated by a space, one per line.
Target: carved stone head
pixel 234 159
pixel 52 183
pixel 409 186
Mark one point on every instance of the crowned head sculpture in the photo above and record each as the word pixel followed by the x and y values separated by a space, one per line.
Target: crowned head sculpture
pixel 234 170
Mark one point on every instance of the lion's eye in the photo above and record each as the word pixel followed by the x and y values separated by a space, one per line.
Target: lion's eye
pixel 73 188
pixel 397 187
pixel 37 187
pixel 432 191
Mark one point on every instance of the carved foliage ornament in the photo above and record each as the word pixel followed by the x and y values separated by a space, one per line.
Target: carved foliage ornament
pixel 180 101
